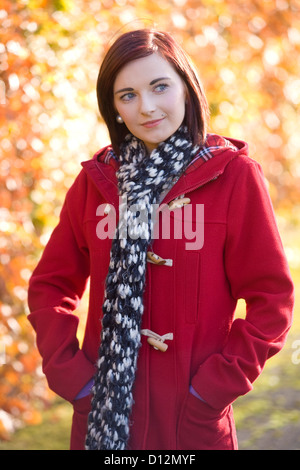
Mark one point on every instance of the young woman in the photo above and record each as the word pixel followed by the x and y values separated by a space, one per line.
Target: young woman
pixel 172 226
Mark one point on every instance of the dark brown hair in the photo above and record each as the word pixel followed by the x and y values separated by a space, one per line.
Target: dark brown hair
pixel 136 45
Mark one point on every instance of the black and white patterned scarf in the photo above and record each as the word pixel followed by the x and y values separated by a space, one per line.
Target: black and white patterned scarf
pixel 142 181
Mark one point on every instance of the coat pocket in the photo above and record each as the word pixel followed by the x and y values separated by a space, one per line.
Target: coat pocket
pixel 201 427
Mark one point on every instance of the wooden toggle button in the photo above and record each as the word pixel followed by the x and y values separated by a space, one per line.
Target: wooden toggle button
pixel 155 258
pixel 177 203
pixel 157 344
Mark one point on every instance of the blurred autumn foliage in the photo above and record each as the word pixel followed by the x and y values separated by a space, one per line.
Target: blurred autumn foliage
pixel 248 56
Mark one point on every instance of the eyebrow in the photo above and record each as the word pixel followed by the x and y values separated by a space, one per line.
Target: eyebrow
pixel 151 83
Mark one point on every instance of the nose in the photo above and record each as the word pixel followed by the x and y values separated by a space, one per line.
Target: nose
pixel 147 104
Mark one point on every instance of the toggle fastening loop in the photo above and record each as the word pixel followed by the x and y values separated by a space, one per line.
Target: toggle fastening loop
pixel 157 341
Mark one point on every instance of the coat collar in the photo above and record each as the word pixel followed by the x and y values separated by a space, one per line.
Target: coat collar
pixel 102 168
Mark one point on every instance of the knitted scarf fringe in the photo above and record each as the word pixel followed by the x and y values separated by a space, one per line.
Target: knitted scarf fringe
pixel 142 180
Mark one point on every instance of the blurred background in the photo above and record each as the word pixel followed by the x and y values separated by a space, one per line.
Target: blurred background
pixel 247 53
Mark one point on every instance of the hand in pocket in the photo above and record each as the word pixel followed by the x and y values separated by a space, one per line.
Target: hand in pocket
pixel 202 427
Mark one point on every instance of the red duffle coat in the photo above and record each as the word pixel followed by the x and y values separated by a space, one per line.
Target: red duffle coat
pixel 194 298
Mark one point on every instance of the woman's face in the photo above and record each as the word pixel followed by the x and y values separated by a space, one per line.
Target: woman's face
pixel 150 96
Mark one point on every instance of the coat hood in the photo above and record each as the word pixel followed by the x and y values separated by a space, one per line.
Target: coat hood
pixel 210 162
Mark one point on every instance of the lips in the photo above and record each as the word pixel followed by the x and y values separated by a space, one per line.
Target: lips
pixel 153 123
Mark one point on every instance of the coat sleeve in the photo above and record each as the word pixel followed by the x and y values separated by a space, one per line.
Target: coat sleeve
pixel 257 271
pixel 55 289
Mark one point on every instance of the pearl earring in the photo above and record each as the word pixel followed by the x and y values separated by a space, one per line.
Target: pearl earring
pixel 119 119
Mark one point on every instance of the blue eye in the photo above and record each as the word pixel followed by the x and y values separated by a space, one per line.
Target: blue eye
pixel 127 97
pixel 161 87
